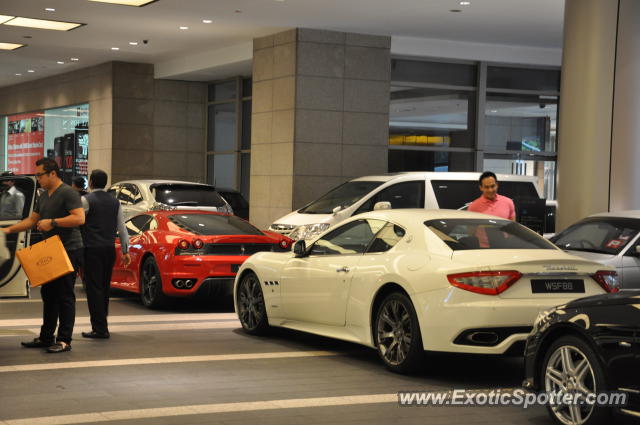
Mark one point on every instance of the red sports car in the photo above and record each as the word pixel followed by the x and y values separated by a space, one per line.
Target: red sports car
pixel 185 253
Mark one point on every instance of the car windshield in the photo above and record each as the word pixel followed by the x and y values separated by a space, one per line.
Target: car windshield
pixel 344 196
pixel 461 234
pixel 598 234
pixel 213 224
pixel 190 195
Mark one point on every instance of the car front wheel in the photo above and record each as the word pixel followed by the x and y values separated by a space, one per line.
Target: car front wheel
pixel 251 309
pixel 151 285
pixel 572 367
pixel 397 334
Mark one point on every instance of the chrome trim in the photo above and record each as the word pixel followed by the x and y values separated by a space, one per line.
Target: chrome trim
pixel 629 390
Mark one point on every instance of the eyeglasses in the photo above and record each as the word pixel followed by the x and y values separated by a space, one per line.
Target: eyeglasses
pixel 38 175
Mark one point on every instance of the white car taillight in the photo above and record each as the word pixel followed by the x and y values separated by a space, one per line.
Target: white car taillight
pixel 488 283
pixel 608 279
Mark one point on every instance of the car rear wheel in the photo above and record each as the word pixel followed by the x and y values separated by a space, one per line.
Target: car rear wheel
pixel 571 366
pixel 397 334
pixel 151 285
pixel 251 309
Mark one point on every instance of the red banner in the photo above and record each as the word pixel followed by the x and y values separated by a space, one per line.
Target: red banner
pixel 25 142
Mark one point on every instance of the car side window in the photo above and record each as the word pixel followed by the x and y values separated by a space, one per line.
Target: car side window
pixel 386 238
pixel 138 224
pixel 113 190
pixel 129 194
pixel 400 195
pixel 352 238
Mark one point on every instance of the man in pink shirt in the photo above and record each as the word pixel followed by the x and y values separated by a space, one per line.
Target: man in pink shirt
pixel 490 202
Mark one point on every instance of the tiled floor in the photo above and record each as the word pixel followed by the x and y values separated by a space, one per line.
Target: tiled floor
pixel 304 380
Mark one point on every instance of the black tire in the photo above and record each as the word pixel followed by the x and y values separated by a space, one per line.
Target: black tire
pixel 397 334
pixel 555 376
pixel 151 285
pixel 251 308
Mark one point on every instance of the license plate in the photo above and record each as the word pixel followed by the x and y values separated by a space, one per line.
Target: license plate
pixel 543 286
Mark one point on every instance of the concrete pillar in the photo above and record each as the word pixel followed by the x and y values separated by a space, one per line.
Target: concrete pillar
pixel 320 116
pixel 598 148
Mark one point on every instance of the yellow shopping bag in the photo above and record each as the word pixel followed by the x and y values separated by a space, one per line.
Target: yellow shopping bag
pixel 45 261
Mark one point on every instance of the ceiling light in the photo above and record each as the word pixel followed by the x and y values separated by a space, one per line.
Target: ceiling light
pixel 115 48
pixel 74 59
pixel 18 74
pixel 465 3
pixel 30 70
pixel 5 18
pixel 184 28
pixel 137 3
pixel 49 9
pixel 206 21
pixel 133 43
pixel 42 24
pixel 60 63
pixel 10 46
pixel 493 111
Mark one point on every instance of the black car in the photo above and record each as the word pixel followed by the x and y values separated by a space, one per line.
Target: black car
pixel 590 345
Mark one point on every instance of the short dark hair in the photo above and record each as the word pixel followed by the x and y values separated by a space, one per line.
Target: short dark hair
pixel 49 165
pixel 485 175
pixel 79 181
pixel 98 179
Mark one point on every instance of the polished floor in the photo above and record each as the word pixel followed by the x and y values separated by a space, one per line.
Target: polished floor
pixel 192 364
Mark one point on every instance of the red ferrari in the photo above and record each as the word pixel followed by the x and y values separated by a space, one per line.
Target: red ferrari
pixel 186 253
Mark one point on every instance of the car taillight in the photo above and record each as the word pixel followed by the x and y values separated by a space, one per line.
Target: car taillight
pixel 488 283
pixel 198 244
pixel 608 279
pixel 284 244
pixel 183 244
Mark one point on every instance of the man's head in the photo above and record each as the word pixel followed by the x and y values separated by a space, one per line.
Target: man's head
pixel 488 185
pixel 98 179
pixel 78 183
pixel 6 184
pixel 47 173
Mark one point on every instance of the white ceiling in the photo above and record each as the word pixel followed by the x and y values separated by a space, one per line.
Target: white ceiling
pixel 532 23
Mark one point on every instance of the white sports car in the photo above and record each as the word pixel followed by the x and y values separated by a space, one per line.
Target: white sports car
pixel 405 281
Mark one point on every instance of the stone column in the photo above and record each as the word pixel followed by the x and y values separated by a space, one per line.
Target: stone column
pixel 598 131
pixel 320 116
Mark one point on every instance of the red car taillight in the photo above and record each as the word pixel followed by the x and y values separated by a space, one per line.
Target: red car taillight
pixel 198 244
pixel 608 279
pixel 183 244
pixel 488 283
pixel 284 244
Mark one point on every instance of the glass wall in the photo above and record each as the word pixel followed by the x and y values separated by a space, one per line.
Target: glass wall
pixel 229 134
pixel 474 116
pixel 61 133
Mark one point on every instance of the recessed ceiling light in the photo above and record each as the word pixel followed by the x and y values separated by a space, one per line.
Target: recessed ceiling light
pixel 49 9
pixel 30 70
pixel 60 63
pixel 18 74
pixel 43 24
pixel 465 3
pixel 115 48
pixel 137 3
pixel 493 111
pixel 133 43
pixel 74 59
pixel 5 18
pixel 184 28
pixel 206 21
pixel 10 46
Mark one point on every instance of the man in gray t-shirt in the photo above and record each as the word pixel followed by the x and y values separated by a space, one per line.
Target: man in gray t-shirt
pixel 58 212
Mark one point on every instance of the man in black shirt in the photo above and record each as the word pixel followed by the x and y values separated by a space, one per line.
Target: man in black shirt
pixel 57 212
pixel 103 218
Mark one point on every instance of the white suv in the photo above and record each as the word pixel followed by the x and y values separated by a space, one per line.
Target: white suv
pixel 137 196
pixel 430 190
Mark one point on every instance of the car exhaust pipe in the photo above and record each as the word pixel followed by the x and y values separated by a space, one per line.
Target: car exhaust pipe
pixel 484 338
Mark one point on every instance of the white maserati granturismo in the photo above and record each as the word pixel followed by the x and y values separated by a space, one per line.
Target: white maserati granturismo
pixel 406 281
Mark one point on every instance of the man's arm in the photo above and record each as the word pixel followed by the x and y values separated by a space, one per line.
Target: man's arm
pixel 124 237
pixel 25 224
pixel 74 219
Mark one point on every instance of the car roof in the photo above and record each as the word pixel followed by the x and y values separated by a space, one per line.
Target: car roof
pixel 619 214
pixel 149 182
pixel 424 215
pixel 441 175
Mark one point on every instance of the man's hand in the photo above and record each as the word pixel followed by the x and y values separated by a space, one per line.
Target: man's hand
pixel 44 225
pixel 6 230
pixel 126 259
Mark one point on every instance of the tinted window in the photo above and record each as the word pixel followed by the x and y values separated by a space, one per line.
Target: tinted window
pixel 460 234
pixel 352 238
pixel 400 195
pixel 213 224
pixel 129 194
pixel 344 195
pixel 455 194
pixel 386 238
pixel 138 224
pixel 605 235
pixel 187 195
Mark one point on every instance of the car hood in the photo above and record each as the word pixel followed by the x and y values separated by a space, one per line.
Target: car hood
pixel 296 219
pixel 608 259
pixel 624 297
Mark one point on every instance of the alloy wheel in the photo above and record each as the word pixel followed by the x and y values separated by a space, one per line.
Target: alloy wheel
pixel 395 333
pixel 251 309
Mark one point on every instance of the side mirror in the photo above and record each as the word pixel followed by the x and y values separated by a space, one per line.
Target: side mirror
pixel 299 248
pixel 382 205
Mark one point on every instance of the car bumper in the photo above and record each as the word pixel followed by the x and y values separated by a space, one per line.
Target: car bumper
pixel 448 316
pixel 213 275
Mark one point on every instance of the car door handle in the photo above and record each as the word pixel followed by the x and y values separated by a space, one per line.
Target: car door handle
pixel 343 269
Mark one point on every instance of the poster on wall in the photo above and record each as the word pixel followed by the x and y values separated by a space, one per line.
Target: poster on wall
pixel 25 142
